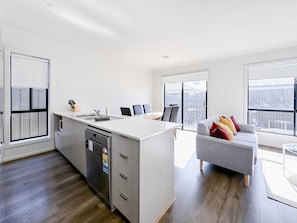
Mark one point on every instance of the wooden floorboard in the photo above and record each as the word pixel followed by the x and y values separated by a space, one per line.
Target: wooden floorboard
pixel 46 188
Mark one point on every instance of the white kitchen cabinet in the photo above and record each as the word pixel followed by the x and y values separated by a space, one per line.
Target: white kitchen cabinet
pixel 143 176
pixel 142 164
pixel 125 176
pixel 78 151
pixel 70 141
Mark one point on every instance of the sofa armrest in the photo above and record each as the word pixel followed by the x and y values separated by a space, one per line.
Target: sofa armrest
pixel 228 154
pixel 247 128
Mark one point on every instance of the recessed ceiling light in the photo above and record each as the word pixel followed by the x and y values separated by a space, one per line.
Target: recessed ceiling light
pixel 47 3
pixel 165 57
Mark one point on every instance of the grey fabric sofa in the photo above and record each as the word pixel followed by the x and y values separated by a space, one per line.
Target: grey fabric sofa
pixel 239 155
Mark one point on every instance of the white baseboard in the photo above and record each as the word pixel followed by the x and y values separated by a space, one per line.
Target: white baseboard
pixel 24 155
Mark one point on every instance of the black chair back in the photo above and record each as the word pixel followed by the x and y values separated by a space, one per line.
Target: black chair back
pixel 173 116
pixel 166 114
pixel 126 111
pixel 146 108
pixel 137 109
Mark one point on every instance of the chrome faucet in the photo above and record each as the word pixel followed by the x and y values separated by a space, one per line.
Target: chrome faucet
pixel 97 112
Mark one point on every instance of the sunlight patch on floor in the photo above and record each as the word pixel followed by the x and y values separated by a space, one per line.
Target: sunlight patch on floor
pixel 184 147
pixel 280 180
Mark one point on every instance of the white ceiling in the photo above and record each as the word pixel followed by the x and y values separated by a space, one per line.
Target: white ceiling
pixel 141 32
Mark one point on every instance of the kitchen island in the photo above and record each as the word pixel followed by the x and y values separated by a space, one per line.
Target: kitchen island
pixel 142 166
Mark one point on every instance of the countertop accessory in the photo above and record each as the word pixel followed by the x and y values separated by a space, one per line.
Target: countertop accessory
pixel 73 105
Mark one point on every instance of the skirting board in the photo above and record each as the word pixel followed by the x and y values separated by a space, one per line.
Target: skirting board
pixel 24 155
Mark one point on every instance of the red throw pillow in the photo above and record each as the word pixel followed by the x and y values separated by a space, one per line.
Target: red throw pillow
pixel 218 132
pixel 235 123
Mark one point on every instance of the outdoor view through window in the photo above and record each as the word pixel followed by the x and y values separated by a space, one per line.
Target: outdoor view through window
pixel 191 99
pixel 271 105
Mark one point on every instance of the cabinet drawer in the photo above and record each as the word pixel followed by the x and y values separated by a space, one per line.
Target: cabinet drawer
pixel 125 145
pixel 123 203
pixel 126 165
pixel 125 185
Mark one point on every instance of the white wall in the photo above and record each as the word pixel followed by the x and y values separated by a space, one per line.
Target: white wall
pixel 227 93
pixel 98 83
pixel 92 81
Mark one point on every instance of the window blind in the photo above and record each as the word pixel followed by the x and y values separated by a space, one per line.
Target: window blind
pixel 197 76
pixel 282 68
pixel 29 71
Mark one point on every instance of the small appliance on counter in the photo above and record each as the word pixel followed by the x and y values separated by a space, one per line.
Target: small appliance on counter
pixel 73 105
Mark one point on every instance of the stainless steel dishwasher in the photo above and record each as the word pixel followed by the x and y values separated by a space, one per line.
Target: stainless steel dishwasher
pixel 98 155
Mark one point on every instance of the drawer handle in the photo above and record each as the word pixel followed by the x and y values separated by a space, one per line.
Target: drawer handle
pixel 123 176
pixel 124 196
pixel 123 156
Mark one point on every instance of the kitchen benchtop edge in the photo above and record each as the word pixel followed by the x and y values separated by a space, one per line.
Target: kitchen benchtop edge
pixel 137 128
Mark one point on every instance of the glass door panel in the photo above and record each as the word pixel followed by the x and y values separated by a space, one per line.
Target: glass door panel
pixel 194 104
pixel 191 97
pixel 173 96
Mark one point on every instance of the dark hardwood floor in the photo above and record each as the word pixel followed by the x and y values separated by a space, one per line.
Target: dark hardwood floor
pixel 46 188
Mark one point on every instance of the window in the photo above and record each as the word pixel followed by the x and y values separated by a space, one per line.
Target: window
pixel 271 98
pixel 191 98
pixel 29 97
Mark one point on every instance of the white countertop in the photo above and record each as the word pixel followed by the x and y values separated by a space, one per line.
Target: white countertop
pixel 138 127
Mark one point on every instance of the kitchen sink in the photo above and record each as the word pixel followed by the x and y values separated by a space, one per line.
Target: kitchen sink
pixel 85 116
pixel 96 118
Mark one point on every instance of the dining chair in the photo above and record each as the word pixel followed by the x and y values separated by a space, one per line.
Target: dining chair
pixel 166 113
pixel 126 111
pixel 173 115
pixel 137 109
pixel 146 108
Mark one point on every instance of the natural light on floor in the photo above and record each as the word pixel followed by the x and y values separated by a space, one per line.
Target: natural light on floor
pixel 184 147
pixel 281 184
pixel 280 180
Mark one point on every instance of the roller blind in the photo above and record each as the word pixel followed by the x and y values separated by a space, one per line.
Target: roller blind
pixel 282 68
pixel 197 76
pixel 27 71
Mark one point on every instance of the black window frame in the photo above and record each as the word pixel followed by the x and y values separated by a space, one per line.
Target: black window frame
pixel 294 110
pixel 31 109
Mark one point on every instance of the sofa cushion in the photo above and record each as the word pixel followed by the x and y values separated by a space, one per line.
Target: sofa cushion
pixel 246 137
pixel 205 125
pixel 218 132
pixel 227 121
pixel 227 129
pixel 235 123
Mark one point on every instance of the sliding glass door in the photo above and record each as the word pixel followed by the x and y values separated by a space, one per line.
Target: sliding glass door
pixel 194 104
pixel 173 96
pixel 191 98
